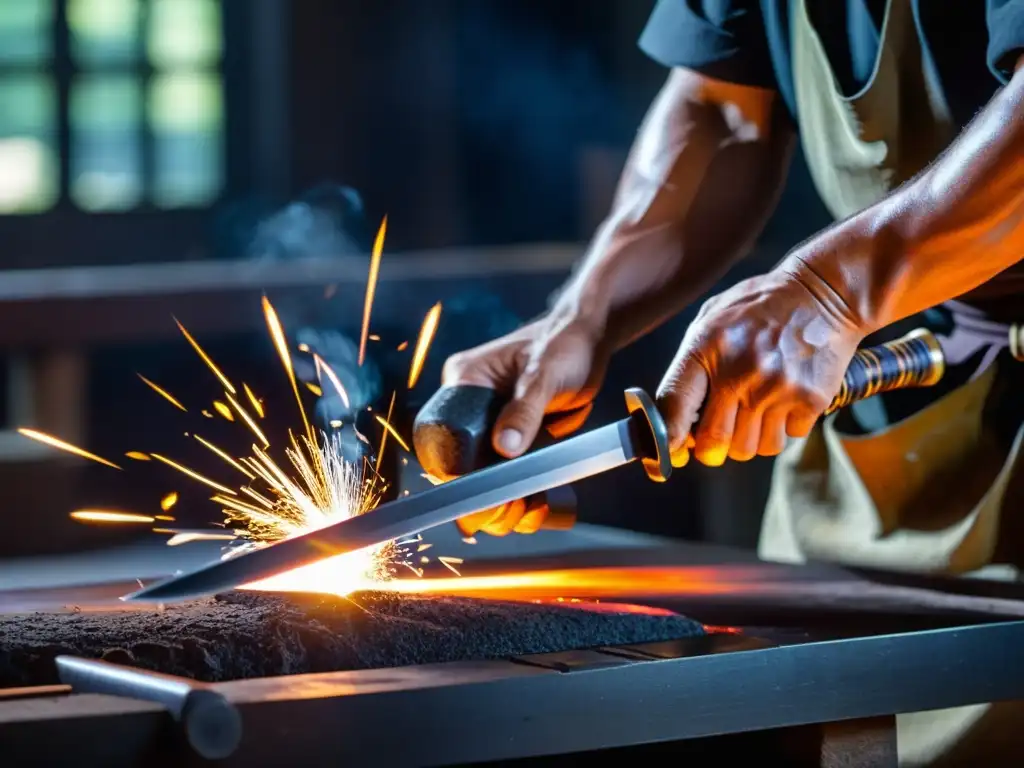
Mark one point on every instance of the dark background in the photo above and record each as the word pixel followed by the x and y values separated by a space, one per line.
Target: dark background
pixel 470 123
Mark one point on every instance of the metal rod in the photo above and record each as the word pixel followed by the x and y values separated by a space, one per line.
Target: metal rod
pixel 211 724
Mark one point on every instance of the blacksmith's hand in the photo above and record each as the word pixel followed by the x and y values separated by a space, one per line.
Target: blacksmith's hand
pixel 552 368
pixel 761 362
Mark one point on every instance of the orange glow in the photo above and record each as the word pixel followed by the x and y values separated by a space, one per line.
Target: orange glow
pixel 371 285
pixel 138 456
pixel 108 516
pixel 55 442
pixel 323 368
pixel 163 393
pixel 402 347
pixel 427 331
pixel 579 584
pixel 169 501
pixel 206 359
pixel 314 388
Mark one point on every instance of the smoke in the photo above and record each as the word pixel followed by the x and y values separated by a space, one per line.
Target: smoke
pixel 327 222
pixel 536 96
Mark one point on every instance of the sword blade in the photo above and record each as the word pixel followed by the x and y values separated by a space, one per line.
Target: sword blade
pixel 566 462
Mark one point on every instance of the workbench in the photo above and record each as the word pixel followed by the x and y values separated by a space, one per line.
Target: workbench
pixel 808 665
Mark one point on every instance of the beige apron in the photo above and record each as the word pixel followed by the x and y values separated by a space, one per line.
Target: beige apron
pixel 926 493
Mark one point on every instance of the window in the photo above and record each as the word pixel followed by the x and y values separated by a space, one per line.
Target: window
pixel 111 105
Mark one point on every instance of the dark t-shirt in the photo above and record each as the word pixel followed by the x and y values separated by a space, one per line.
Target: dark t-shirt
pixel 973 45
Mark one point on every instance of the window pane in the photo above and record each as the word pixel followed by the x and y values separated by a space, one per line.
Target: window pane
pixel 187 119
pixel 184 32
pixel 104 31
pixel 26 28
pixel 29 180
pixel 106 142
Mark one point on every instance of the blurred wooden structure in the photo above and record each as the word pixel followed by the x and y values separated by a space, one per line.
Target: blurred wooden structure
pixel 51 319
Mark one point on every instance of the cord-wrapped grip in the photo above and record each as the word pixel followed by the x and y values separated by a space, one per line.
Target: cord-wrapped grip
pixel 916 360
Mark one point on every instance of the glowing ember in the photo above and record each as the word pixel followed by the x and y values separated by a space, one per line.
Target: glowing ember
pixel 138 456
pixel 109 516
pixel 169 501
pixel 427 331
pixel 223 410
pixel 371 285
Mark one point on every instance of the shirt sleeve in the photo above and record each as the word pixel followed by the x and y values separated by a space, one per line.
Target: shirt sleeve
pixel 723 39
pixel 1005 36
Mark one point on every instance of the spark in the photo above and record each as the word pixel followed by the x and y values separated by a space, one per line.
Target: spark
pixel 55 442
pixel 384 435
pixel 450 563
pixel 223 410
pixel 281 343
pixel 335 423
pixel 138 456
pixel 169 501
pixel 423 547
pixel 257 404
pixel 323 367
pixel 163 393
pixel 210 446
pixel 193 474
pixel 373 337
pixel 469 540
pixel 207 414
pixel 394 432
pixel 206 358
pixel 109 516
pixel 314 389
pixel 427 331
pixel 164 518
pixel 250 422
pixel 402 347
pixel 371 285
pixel 186 537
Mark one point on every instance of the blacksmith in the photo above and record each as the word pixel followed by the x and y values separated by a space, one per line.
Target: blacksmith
pixel 910 114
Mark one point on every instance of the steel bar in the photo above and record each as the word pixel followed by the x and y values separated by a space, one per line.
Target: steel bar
pixel 211 725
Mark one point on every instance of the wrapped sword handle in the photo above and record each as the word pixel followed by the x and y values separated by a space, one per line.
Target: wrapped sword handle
pixel 916 360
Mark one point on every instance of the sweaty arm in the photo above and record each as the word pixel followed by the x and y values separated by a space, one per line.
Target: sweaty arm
pixel 951 229
pixel 702 178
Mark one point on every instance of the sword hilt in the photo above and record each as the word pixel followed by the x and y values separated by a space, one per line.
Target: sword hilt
pixel 916 360
pixel 452 437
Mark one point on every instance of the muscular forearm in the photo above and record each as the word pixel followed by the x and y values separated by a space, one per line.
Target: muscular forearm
pixel 701 179
pixel 951 229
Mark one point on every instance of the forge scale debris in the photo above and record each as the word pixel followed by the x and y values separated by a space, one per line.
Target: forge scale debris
pixel 249 634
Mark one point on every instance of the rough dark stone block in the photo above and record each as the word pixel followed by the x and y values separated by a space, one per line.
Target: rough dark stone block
pixel 247 634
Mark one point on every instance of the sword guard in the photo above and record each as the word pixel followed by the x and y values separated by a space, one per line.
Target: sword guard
pixel 651 434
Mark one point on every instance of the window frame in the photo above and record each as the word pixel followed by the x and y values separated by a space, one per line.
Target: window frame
pixel 66 235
